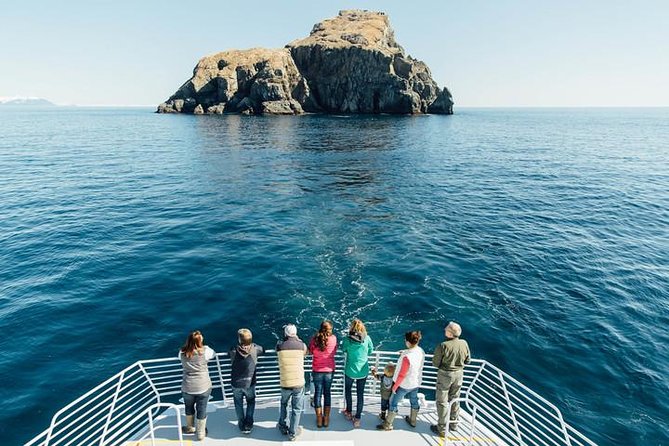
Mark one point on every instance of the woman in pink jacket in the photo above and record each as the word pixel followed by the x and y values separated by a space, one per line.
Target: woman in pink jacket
pixel 323 347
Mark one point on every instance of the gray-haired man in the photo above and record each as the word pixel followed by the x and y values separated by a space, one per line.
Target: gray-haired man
pixel 449 358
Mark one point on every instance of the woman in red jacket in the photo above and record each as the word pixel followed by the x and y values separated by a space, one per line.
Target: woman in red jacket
pixel 323 347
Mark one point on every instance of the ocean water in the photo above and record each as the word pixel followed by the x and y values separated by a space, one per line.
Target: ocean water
pixel 545 233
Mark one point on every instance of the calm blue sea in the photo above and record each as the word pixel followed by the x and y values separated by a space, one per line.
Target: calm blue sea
pixel 544 232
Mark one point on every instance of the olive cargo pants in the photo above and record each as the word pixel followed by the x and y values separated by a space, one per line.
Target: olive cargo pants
pixel 448 388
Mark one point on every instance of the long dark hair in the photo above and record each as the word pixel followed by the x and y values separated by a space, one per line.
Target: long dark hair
pixel 195 341
pixel 323 334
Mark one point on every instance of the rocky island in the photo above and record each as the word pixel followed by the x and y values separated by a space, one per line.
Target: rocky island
pixel 348 64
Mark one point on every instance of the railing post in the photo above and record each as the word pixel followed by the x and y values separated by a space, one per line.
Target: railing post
pixel 471 432
pixel 510 406
pixel 111 408
pixel 377 357
pixel 167 406
pixel 50 432
pixel 471 384
pixel 148 378
pixel 220 377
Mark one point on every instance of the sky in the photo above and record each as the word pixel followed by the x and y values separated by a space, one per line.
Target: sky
pixel 489 53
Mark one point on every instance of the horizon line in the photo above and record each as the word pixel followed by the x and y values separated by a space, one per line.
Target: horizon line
pixel 455 106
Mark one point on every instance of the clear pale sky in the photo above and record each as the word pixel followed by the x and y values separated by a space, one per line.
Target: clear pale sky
pixel 488 52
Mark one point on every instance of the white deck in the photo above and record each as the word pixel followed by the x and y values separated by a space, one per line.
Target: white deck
pixel 222 427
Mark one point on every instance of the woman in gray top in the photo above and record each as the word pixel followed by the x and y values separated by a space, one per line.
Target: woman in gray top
pixel 196 384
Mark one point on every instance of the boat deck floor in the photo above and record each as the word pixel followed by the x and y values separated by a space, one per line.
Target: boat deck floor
pixel 222 429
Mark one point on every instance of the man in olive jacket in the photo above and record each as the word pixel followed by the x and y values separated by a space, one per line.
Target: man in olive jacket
pixel 449 358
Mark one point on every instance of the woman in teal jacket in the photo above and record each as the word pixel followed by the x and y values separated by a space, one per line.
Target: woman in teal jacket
pixel 357 346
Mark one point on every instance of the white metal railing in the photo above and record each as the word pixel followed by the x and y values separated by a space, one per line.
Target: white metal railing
pixel 115 411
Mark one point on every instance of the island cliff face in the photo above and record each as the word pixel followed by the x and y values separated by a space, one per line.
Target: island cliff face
pixel 348 64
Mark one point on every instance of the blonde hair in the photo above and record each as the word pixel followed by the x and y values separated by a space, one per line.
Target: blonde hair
pixel 454 329
pixel 389 369
pixel 245 336
pixel 357 327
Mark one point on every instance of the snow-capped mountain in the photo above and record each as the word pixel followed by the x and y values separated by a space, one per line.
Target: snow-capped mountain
pixel 23 100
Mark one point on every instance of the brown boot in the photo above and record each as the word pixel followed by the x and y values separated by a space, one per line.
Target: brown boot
pixel 326 416
pixel 319 417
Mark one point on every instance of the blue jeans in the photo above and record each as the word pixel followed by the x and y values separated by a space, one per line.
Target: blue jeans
pixel 238 395
pixel 297 406
pixel 322 384
pixel 197 403
pixel 385 404
pixel 399 396
pixel 359 393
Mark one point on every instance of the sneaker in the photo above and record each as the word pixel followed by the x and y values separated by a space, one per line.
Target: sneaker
pixel 348 415
pixel 282 429
pixel 247 429
pixel 435 430
pixel 452 426
pixel 356 423
pixel 298 432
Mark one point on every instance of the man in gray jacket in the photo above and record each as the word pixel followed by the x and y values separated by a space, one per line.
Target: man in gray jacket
pixel 244 359
pixel 449 358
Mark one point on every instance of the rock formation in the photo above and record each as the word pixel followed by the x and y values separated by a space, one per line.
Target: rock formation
pixel 348 64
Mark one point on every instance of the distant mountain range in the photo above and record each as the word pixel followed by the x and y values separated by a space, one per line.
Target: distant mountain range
pixel 17 100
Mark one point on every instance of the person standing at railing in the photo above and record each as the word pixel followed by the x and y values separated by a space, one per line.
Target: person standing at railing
pixel 291 352
pixel 407 380
pixel 385 379
pixel 357 346
pixel 244 360
pixel 323 347
pixel 195 384
pixel 449 358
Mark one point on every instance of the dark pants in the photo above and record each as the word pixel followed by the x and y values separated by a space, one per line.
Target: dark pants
pixel 322 384
pixel 385 405
pixel 359 393
pixel 238 395
pixel 197 404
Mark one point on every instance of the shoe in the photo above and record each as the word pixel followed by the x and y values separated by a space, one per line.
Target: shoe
pixel 356 423
pixel 189 428
pixel 282 429
pixel 247 429
pixel 348 415
pixel 452 426
pixel 326 416
pixel 435 430
pixel 201 429
pixel 411 419
pixel 298 432
pixel 387 425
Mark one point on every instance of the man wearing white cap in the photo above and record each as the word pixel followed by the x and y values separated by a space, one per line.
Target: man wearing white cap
pixel 450 358
pixel 291 352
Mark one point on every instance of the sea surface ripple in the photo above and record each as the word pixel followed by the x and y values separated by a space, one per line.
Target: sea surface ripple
pixel 544 232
